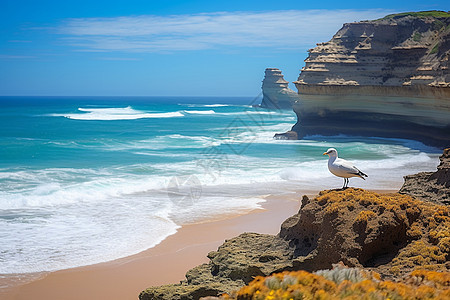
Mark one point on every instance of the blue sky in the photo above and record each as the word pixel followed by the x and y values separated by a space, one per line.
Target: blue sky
pixel 167 48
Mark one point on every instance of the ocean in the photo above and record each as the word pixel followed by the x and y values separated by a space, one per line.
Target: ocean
pixel 91 179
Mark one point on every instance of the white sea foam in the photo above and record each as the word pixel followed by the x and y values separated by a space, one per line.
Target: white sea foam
pixel 64 186
pixel 113 114
pixel 75 236
pixel 170 141
pixel 206 105
pixel 128 113
pixel 214 105
pixel 135 210
pixel 254 112
pixel 200 112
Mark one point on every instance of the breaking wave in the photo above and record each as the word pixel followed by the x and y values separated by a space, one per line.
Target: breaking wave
pixel 113 114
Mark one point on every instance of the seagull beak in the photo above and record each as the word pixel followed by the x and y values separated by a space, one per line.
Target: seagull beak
pixel 324 153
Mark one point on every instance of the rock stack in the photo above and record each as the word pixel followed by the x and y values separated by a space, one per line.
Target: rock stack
pixel 276 93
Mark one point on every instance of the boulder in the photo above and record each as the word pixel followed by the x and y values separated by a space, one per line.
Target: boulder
pixel 431 186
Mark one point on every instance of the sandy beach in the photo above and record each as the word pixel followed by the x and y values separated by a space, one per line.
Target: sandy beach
pixel 166 263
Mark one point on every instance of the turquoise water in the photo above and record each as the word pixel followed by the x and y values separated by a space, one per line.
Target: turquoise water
pixel 86 180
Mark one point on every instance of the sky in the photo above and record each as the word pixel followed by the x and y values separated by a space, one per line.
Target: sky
pixel 167 48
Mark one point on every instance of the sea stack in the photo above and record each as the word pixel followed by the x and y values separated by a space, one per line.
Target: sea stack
pixel 381 78
pixel 276 93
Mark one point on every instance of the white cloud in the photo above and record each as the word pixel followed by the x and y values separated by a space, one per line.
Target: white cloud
pixel 10 57
pixel 149 33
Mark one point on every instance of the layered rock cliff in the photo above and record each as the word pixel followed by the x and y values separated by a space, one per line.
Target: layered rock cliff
pixel 405 54
pixel 383 78
pixel 276 93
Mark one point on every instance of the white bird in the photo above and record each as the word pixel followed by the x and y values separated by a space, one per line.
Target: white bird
pixel 341 167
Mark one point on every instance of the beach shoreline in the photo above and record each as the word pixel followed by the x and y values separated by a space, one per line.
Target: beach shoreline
pixel 165 263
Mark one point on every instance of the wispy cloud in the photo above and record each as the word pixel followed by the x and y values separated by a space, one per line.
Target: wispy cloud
pixel 149 33
pixel 119 58
pixel 14 57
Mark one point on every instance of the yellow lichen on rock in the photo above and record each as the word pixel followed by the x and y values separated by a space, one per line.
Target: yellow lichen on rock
pixel 304 285
pixel 365 216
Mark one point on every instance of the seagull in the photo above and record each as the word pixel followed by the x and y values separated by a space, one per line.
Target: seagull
pixel 341 167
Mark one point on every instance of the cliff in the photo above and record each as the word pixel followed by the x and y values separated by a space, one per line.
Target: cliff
pixel 384 78
pixel 391 234
pixel 276 93
pixel 431 186
pixel 404 54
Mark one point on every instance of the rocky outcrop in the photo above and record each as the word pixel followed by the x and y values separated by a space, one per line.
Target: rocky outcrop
pixel 431 186
pixel 289 135
pixel 389 233
pixel 365 229
pixel 383 78
pixel 234 264
pixel 399 55
pixel 276 93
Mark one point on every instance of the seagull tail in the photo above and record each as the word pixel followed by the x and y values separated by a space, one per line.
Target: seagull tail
pixel 361 174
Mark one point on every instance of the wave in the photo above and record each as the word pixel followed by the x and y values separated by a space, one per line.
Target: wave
pixel 116 113
pixel 253 112
pixel 164 142
pixel 117 110
pixel 65 186
pixel 49 240
pixel 129 113
pixel 43 227
pixel 217 105
pixel 214 105
pixel 200 112
pixel 208 105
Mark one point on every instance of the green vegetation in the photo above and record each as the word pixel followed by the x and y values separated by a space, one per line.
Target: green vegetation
pixel 435 49
pixel 438 25
pixel 420 14
pixel 417 36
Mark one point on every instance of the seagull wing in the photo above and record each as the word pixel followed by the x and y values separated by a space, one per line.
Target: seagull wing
pixel 345 168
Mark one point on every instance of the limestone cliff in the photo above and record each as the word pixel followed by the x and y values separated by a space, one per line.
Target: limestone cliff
pixel 276 93
pixel 405 54
pixel 383 78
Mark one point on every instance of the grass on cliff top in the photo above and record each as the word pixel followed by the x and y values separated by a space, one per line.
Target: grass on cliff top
pixel 304 285
pixel 420 14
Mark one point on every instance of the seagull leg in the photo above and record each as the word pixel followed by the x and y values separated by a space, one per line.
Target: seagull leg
pixel 345 183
